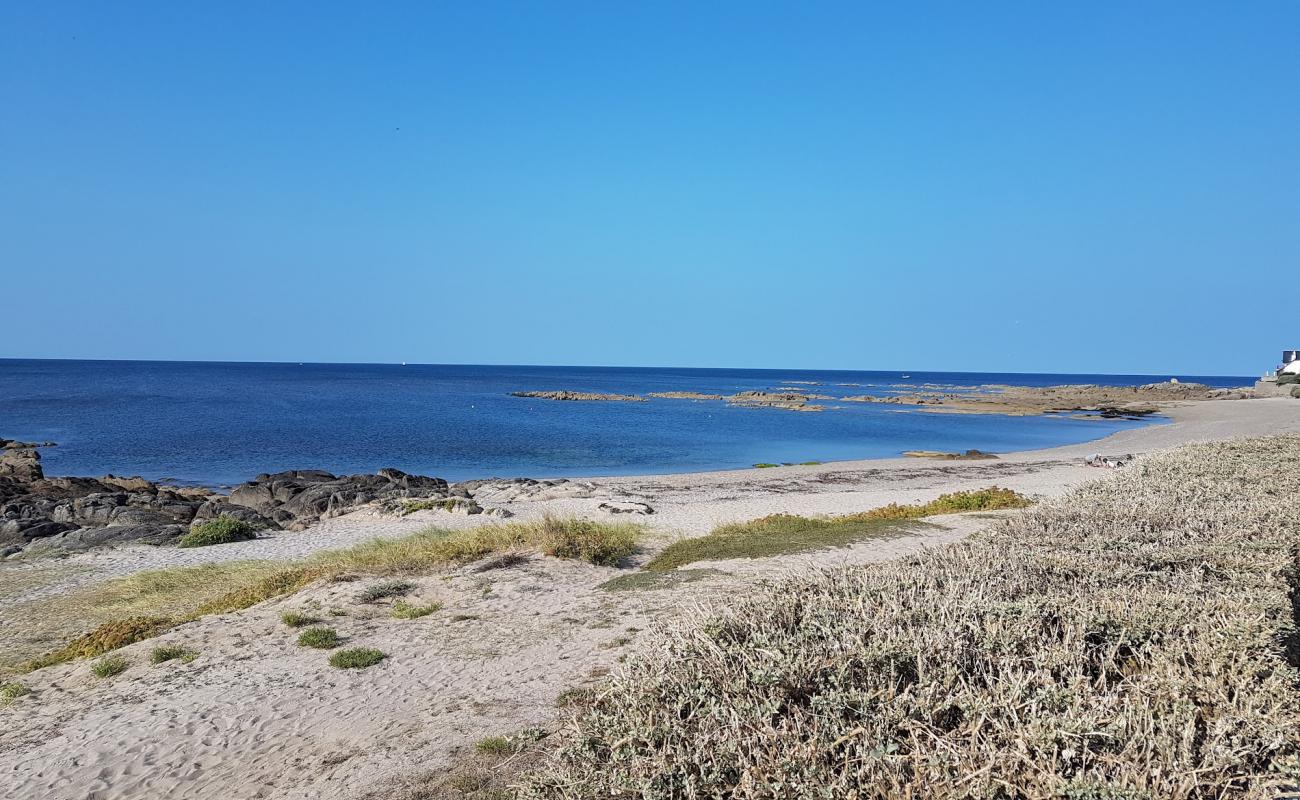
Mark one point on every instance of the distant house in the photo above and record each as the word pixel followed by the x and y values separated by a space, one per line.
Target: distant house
pixel 1290 363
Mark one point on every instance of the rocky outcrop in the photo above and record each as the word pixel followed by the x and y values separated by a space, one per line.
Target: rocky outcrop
pixel 298 498
pixel 45 515
pixel 587 396
pixel 786 400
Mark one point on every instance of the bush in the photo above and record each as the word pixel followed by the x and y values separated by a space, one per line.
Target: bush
pixel 321 638
pixel 1287 378
pixel 108 666
pixel 356 658
pixel 222 530
pixel 172 652
pixel 1135 639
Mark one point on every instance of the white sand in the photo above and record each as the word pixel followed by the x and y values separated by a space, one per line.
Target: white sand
pixel 257 716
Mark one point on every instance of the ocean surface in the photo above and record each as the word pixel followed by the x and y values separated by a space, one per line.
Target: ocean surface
pixel 218 424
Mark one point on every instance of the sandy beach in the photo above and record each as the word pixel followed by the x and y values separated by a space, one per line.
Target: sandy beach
pixel 256 716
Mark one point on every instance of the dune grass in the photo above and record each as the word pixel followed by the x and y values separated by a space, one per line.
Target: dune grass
pixel 173 652
pixel 11 691
pixel 405 610
pixel 356 658
pixel 298 619
pixel 321 638
pixel 146 603
pixel 781 534
pixel 1135 639
pixel 222 530
pixel 108 666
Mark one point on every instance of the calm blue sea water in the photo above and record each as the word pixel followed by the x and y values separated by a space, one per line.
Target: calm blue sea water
pixel 221 423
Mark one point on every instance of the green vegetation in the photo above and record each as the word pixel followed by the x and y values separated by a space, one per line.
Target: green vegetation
pixel 356 658
pixel 222 530
pixel 1287 378
pixel 298 619
pixel 447 504
pixel 495 745
pixel 644 581
pixel 1133 640
pixel 765 465
pixel 404 610
pixel 147 603
pixel 171 653
pixel 778 534
pixel 103 639
pixel 321 638
pixel 383 590
pixel 108 666
pixel 11 691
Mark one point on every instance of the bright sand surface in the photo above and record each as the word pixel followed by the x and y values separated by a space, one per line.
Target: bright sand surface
pixel 257 716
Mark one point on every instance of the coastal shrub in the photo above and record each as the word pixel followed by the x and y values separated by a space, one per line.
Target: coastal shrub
pixel 1129 640
pixel 1287 378
pixel 384 589
pixel 108 666
pixel 11 691
pixel 765 465
pixel 297 619
pixel 222 530
pixel 356 658
pixel 404 610
pixel 172 652
pixel 321 638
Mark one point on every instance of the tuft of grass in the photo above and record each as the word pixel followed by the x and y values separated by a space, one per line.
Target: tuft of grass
pixel 383 590
pixel 404 610
pixel 11 691
pixel 222 530
pixel 765 465
pixel 297 619
pixel 172 652
pixel 171 596
pixel 108 666
pixel 496 746
pixel 321 638
pixel 1147 619
pixel 356 658
pixel 781 534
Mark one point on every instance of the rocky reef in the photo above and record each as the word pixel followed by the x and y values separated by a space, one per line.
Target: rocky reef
pixel 586 396
pixel 40 514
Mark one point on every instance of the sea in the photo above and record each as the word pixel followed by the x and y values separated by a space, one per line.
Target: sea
pixel 217 424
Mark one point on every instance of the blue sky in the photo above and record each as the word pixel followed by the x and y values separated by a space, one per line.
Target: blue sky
pixel 1031 186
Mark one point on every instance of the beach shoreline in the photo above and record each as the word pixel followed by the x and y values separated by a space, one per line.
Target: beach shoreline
pixel 258 716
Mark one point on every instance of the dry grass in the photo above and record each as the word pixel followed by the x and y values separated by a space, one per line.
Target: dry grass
pixel 781 534
pixel 142 605
pixel 1136 639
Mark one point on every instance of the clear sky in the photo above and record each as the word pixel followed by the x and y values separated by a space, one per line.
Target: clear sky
pixel 1028 186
